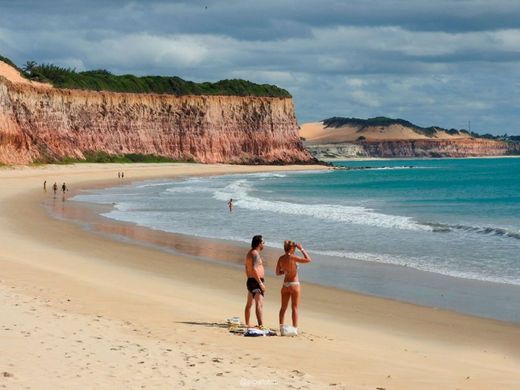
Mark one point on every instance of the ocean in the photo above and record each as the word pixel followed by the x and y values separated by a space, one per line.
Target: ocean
pixel 440 232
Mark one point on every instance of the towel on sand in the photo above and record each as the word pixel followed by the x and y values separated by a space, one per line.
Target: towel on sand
pixel 254 332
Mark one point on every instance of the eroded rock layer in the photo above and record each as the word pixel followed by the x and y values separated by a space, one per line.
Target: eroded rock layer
pixel 48 124
pixel 470 147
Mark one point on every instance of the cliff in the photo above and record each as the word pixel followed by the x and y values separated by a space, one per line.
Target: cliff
pixel 398 140
pixel 42 123
pixel 414 148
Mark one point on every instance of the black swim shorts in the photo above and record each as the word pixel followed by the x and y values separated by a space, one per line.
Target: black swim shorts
pixel 253 287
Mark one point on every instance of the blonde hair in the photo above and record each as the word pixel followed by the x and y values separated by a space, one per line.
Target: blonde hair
pixel 288 245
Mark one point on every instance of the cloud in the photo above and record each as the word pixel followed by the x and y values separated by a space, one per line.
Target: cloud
pixel 145 49
pixel 443 62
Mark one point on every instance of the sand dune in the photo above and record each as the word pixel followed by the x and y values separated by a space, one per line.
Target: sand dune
pixel 317 133
pixel 14 76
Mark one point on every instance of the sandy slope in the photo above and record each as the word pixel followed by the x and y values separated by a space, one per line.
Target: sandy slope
pixel 14 76
pixel 317 133
pixel 80 310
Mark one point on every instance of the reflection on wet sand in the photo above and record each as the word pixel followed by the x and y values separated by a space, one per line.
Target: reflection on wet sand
pixel 203 248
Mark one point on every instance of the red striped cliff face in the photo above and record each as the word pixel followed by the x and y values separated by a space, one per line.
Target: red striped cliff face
pixel 46 124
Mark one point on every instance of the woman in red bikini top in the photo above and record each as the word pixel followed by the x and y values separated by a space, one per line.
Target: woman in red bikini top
pixel 288 266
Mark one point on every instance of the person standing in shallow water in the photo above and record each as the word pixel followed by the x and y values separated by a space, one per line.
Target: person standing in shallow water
pixel 288 266
pixel 63 189
pixel 45 186
pixel 230 205
pixel 254 268
pixel 55 188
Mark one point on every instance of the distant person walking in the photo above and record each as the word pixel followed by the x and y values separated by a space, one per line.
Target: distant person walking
pixel 288 266
pixel 55 188
pixel 63 190
pixel 45 186
pixel 122 175
pixel 255 281
pixel 230 205
pixel 119 175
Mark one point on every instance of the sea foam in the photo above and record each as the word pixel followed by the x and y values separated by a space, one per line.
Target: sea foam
pixel 239 191
pixel 425 263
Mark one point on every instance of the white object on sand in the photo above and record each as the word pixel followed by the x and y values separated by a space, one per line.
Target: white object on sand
pixel 288 330
pixel 233 321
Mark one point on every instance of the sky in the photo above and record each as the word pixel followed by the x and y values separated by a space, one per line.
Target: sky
pixel 448 63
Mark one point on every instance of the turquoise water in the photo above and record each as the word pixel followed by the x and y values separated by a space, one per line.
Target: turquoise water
pixel 369 230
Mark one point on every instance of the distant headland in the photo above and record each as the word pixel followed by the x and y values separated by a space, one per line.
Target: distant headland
pixel 340 138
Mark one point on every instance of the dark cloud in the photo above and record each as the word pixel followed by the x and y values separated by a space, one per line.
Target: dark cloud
pixel 267 19
pixel 438 62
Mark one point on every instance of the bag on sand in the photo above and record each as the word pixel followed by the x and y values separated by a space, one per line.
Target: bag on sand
pixel 288 330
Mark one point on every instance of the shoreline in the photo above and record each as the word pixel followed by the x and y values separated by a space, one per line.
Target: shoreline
pixel 414 158
pixel 359 341
pixel 493 302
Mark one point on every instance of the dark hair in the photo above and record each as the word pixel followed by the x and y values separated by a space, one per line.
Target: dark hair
pixel 257 240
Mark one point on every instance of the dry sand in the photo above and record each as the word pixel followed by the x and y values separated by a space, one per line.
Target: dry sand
pixel 80 310
pixel 317 133
pixel 14 76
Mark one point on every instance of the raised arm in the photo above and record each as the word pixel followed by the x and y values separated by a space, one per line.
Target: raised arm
pixel 305 259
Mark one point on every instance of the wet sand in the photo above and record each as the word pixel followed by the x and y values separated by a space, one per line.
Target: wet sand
pixel 474 297
pixel 104 313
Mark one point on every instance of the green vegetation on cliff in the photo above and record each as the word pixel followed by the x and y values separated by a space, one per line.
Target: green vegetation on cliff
pixel 103 80
pixel 8 61
pixel 103 157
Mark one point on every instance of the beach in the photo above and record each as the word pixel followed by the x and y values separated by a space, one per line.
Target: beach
pixel 82 310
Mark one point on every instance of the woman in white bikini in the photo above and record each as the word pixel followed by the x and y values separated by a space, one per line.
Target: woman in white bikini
pixel 288 266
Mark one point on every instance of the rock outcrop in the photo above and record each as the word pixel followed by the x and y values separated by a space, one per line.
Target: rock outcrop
pixel 471 147
pixel 48 124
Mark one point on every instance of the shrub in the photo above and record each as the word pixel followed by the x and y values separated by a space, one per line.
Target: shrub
pixel 103 80
pixel 8 61
pixel 104 157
